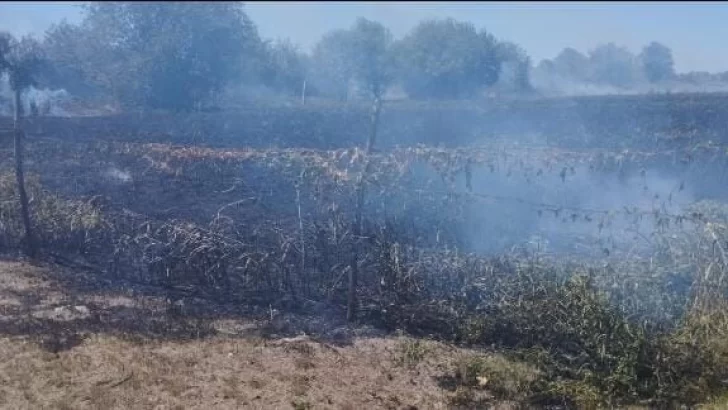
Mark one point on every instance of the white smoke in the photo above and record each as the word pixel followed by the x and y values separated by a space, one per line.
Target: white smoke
pixel 552 84
pixel 556 85
pixel 117 175
pixel 48 102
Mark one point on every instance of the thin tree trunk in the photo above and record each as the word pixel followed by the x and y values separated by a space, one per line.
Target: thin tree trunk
pixel 360 196
pixel 20 176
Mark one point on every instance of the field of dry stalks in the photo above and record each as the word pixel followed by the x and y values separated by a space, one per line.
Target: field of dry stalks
pixel 192 275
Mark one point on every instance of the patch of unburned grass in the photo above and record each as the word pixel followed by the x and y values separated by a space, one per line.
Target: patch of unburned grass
pixel 411 352
pixel 504 378
pixel 112 373
pixel 57 222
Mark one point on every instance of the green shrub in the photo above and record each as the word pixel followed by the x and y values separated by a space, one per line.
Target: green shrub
pixel 504 378
pixel 692 362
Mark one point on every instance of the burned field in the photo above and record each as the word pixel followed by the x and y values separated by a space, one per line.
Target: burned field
pixel 599 266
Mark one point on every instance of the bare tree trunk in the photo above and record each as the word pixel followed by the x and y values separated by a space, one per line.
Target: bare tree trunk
pixel 360 196
pixel 20 176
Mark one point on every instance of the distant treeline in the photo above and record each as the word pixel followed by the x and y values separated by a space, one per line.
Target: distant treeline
pixel 185 56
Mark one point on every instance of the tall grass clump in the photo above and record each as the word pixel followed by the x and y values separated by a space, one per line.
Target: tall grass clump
pixel 58 223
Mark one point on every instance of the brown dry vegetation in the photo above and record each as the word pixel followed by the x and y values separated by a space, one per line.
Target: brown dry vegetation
pixel 54 354
pixel 584 353
pixel 185 276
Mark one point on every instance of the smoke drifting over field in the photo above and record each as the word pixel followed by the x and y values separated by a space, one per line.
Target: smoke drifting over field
pixel 435 180
pixel 47 101
pixel 556 85
pixel 116 175
pixel 569 211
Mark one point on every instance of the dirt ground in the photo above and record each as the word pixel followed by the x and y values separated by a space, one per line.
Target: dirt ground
pixel 62 349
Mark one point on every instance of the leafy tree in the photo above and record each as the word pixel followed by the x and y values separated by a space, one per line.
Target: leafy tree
pixel 99 52
pixel 546 65
pixel 447 59
pixel 515 65
pixel 371 62
pixel 572 64
pixel 657 62
pixel 361 55
pixel 614 65
pixel 330 67
pixel 20 60
pixel 523 75
pixel 171 55
pixel 69 56
pixel 284 67
pixel 5 42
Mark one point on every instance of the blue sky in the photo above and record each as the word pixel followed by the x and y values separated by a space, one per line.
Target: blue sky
pixel 697 32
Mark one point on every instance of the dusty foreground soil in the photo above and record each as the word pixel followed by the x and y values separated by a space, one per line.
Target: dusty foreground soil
pixel 77 349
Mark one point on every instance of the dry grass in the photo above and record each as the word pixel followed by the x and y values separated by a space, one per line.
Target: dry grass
pixel 106 372
pixel 588 350
pixel 590 353
pixel 112 370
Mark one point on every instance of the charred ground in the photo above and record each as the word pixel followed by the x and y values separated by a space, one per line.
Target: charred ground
pixel 248 215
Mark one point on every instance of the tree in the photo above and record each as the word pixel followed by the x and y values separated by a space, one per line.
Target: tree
pixel 21 61
pixel 614 65
pixel 370 60
pixel 68 57
pixel 330 68
pixel 284 67
pixel 547 66
pixel 515 66
pixel 572 64
pixel 98 54
pixel 447 59
pixel 170 55
pixel 523 75
pixel 361 55
pixel 5 42
pixel 657 62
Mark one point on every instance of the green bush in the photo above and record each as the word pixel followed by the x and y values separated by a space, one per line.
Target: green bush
pixel 590 356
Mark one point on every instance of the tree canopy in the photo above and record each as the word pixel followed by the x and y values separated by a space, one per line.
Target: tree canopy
pixel 180 55
pixel 447 59
pixel 174 55
pixel 20 60
pixel 360 55
pixel 657 62
pixel 572 64
pixel 614 65
pixel 284 67
pixel 183 55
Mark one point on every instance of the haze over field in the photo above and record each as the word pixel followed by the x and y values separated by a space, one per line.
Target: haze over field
pixel 247 206
pixel 543 30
